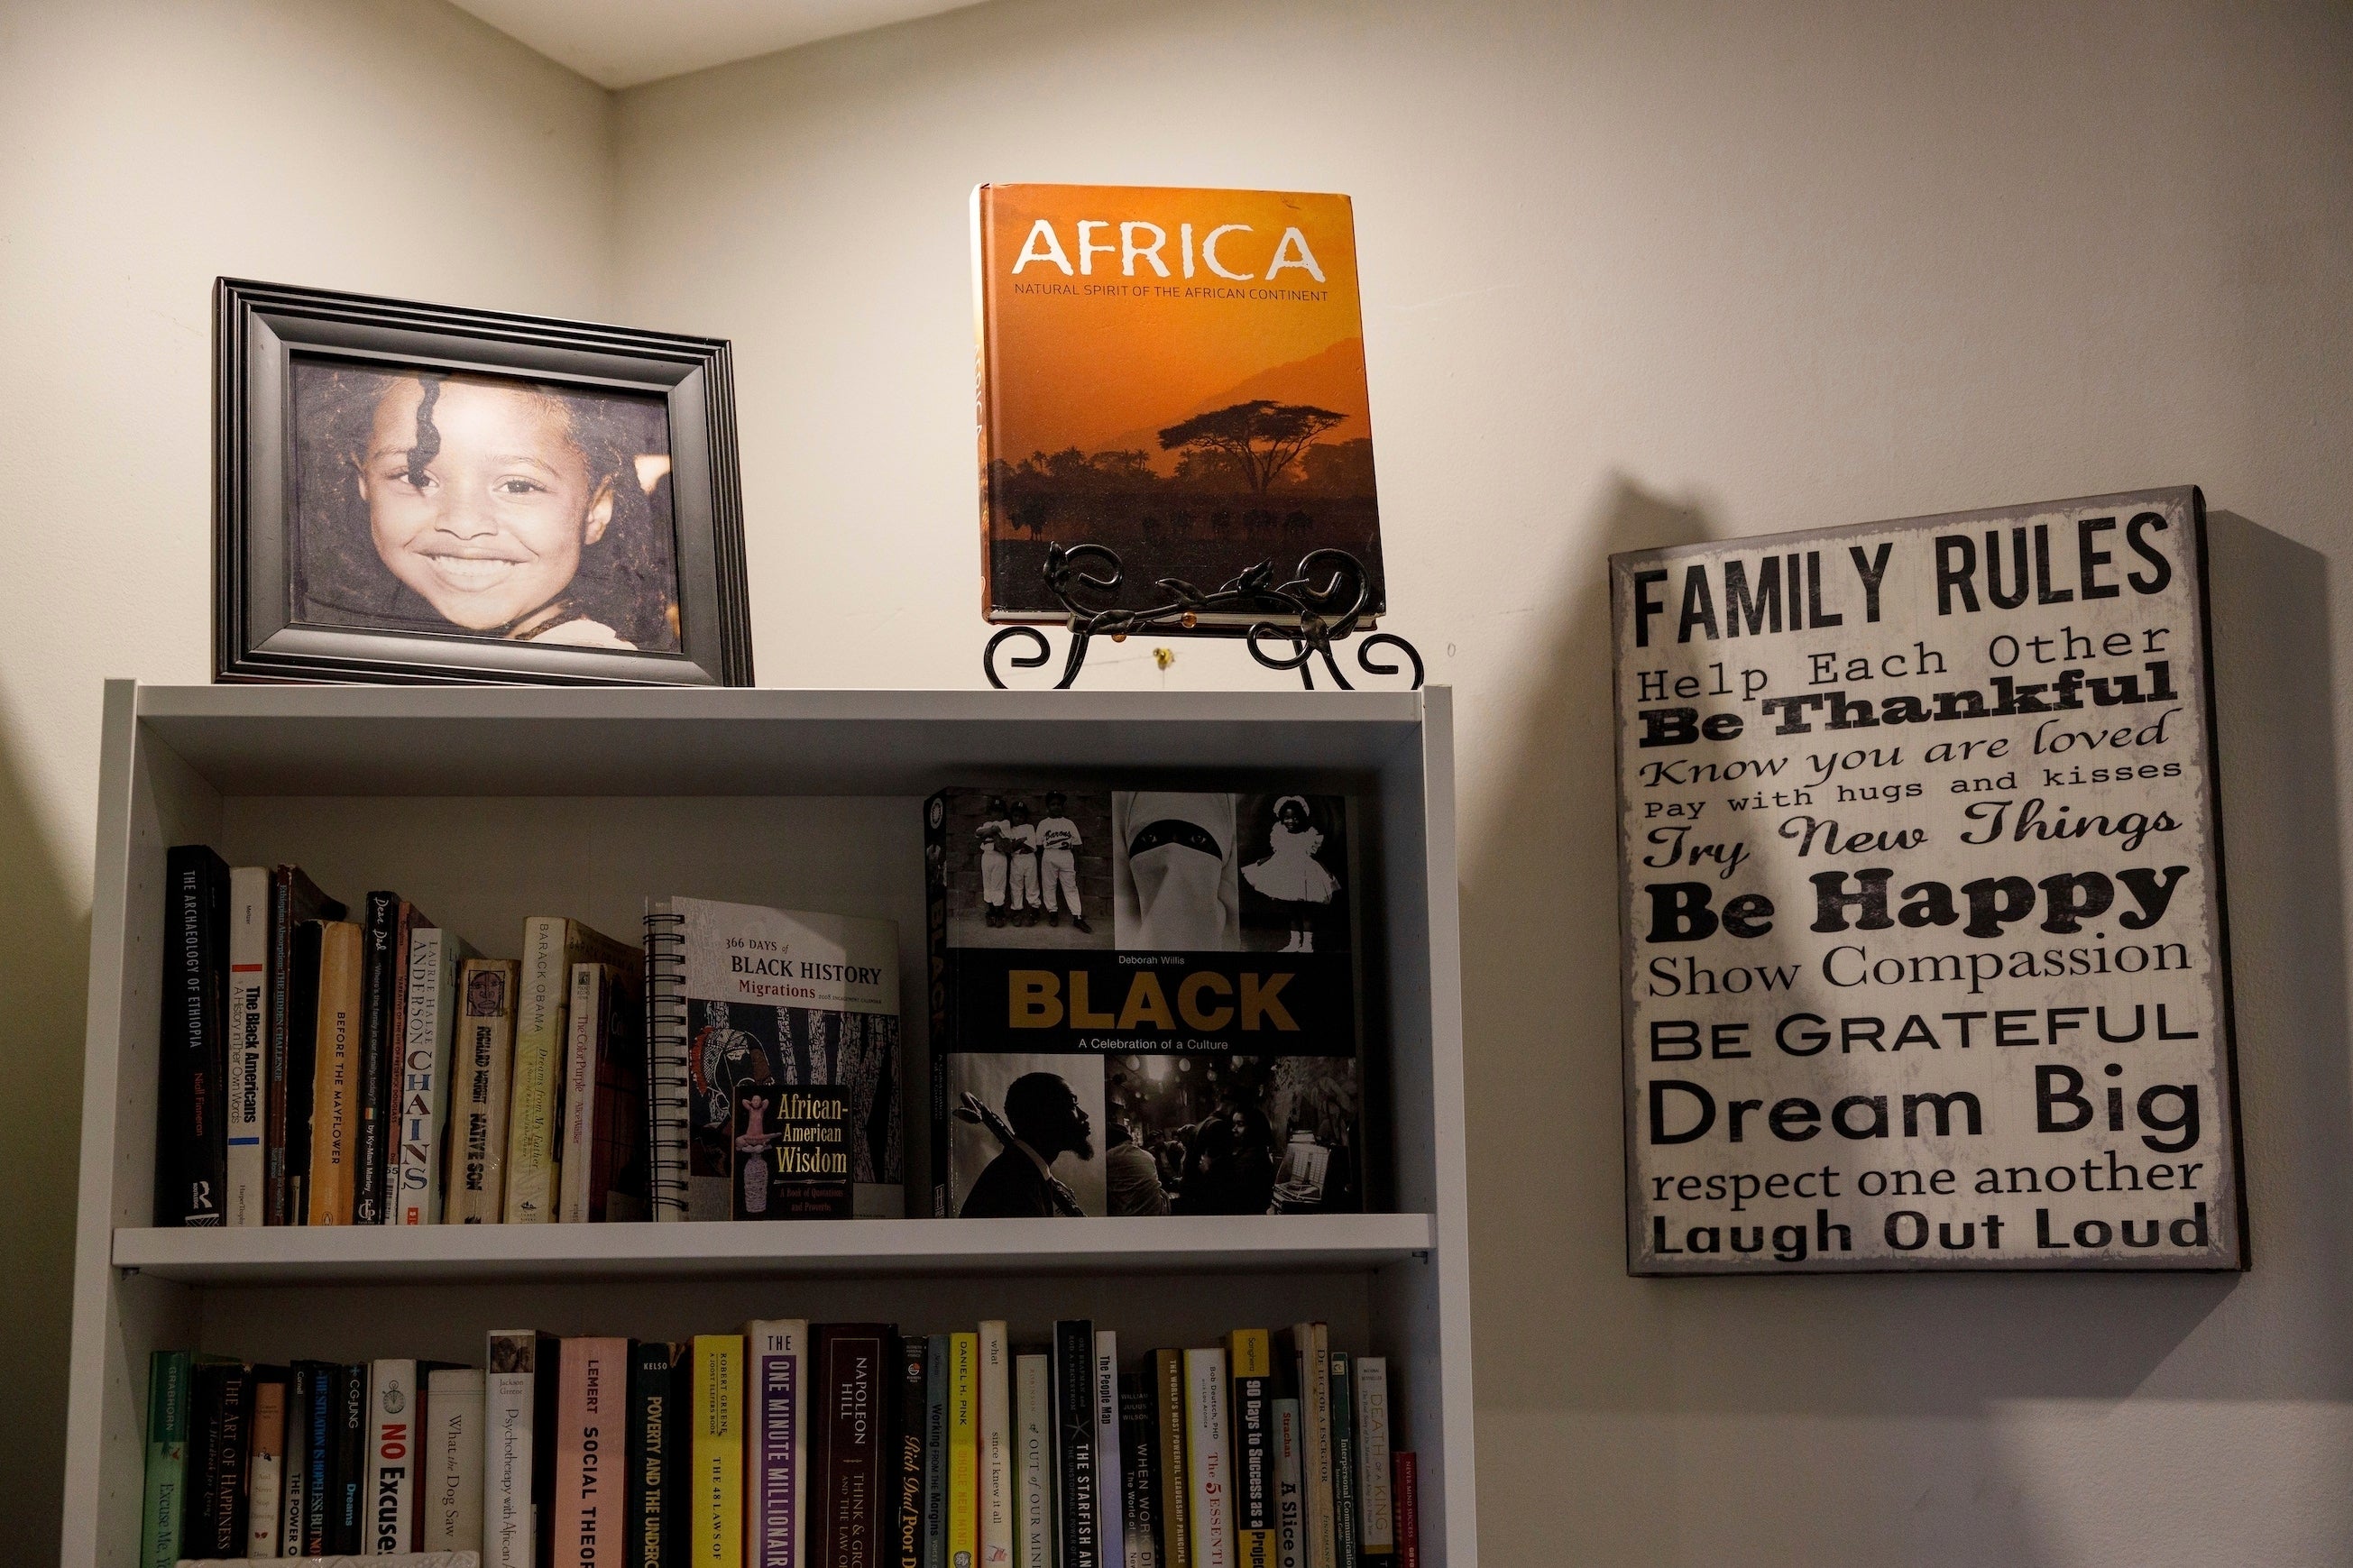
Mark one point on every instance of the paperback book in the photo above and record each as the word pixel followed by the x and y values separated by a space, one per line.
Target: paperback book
pixel 1144 1003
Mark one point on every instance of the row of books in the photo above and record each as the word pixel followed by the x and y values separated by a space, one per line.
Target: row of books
pixel 318 1069
pixel 791 1446
pixel 1143 1001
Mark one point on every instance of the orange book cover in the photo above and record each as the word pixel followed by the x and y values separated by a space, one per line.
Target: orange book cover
pixel 1177 374
pixel 591 1432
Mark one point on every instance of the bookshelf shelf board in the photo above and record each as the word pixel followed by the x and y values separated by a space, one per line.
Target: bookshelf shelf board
pixel 420 1254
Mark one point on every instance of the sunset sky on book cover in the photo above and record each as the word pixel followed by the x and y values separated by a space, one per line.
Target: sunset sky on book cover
pixel 1177 374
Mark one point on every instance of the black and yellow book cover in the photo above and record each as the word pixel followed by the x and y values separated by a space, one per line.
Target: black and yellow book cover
pixel 1177 374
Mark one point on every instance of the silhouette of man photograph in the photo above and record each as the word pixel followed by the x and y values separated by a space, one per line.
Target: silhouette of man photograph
pixel 1047 1122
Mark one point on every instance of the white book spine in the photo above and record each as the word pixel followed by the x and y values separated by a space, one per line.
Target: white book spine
pixel 1034 1516
pixel 390 1505
pixel 453 1497
pixel 579 1098
pixel 507 1527
pixel 1207 1474
pixel 668 1095
pixel 1290 1495
pixel 1110 1497
pixel 997 1499
pixel 1375 1528
pixel 425 1067
pixel 248 1027
pixel 776 1483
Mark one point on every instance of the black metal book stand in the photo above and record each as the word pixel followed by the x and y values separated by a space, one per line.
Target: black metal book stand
pixel 1305 613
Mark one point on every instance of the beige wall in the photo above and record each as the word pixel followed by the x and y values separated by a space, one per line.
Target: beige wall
pixel 394 147
pixel 1632 273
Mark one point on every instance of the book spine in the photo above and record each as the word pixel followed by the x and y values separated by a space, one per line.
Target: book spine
pixel 248 1109
pixel 1344 1457
pixel 278 959
pixel 546 1427
pixel 907 1440
pixel 717 1540
pixel 938 1353
pixel 1305 1344
pixel 191 1163
pixel 1175 1490
pixel 1140 1471
pixel 452 1499
pixel 510 1397
pixel 485 1052
pixel 533 1118
pixel 1374 1508
pixel 589 1437
pixel 392 1455
pixel 379 980
pixel 319 1458
pixel 1252 1366
pixel 265 1466
pixel 620 1170
pixel 1405 1493
pixel 1111 1491
pixel 1033 1438
pixel 995 1490
pixel 1206 1466
pixel 228 1427
pixel 852 1358
pixel 303 946
pixel 653 1455
pixel 293 1490
pixel 421 1103
pixel 1074 1443
pixel 964 1451
pixel 775 1493
pixel 348 1476
pixel 336 1075
pixel 668 1087
pixel 1290 1494
pixel 935 936
pixel 163 1514
pixel 584 1012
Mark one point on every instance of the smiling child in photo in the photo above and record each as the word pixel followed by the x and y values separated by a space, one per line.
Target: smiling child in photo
pixel 483 506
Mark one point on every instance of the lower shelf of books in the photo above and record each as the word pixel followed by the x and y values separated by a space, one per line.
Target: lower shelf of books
pixel 305 1254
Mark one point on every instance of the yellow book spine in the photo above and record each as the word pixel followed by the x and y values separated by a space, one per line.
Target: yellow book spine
pixel 1249 1358
pixel 964 1451
pixel 717 1536
pixel 334 1103
pixel 532 1130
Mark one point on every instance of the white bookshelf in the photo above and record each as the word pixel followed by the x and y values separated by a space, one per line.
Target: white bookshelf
pixel 485 805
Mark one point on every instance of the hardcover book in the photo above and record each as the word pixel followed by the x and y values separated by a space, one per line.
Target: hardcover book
pixel 384 991
pixel 248 1024
pixel 1374 1506
pixel 332 1161
pixel 799 1013
pixel 191 1126
pixel 1177 374
pixel 1144 1003
pixel 295 901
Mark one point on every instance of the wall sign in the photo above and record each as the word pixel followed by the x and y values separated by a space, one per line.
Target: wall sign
pixel 1922 895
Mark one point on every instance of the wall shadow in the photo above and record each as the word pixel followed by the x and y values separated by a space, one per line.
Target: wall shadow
pixel 44 975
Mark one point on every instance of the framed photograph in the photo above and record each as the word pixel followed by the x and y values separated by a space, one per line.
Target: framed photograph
pixel 418 493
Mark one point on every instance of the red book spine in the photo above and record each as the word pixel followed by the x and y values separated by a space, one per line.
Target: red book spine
pixel 1408 1508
